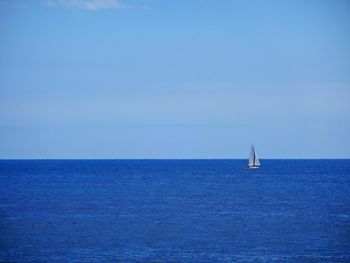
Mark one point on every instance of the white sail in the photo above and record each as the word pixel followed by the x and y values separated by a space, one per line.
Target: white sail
pixel 253 159
pixel 251 156
pixel 256 160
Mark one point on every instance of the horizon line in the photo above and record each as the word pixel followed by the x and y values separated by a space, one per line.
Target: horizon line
pixel 160 159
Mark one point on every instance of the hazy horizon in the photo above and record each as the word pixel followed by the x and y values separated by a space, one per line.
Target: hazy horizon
pixel 167 159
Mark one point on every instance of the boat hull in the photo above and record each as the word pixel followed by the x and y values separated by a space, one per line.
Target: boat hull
pixel 253 167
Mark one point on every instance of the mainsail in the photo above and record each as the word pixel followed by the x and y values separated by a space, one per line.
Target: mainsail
pixel 253 159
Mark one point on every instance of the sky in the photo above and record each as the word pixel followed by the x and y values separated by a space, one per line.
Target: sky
pixel 174 79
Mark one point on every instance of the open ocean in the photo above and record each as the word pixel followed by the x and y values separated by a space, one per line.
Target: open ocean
pixel 174 211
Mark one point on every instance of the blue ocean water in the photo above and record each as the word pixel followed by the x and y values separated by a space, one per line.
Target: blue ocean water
pixel 174 211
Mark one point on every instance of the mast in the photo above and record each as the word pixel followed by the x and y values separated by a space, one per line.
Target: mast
pixel 254 157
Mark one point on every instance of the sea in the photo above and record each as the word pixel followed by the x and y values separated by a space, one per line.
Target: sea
pixel 174 211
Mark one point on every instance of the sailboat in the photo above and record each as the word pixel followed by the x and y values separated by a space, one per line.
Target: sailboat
pixel 253 159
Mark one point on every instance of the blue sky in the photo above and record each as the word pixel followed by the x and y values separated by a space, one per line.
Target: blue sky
pixel 174 79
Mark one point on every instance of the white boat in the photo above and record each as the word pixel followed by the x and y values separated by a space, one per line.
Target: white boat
pixel 253 159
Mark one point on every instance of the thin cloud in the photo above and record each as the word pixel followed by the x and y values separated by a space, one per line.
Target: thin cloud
pixel 146 7
pixel 12 3
pixel 87 4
